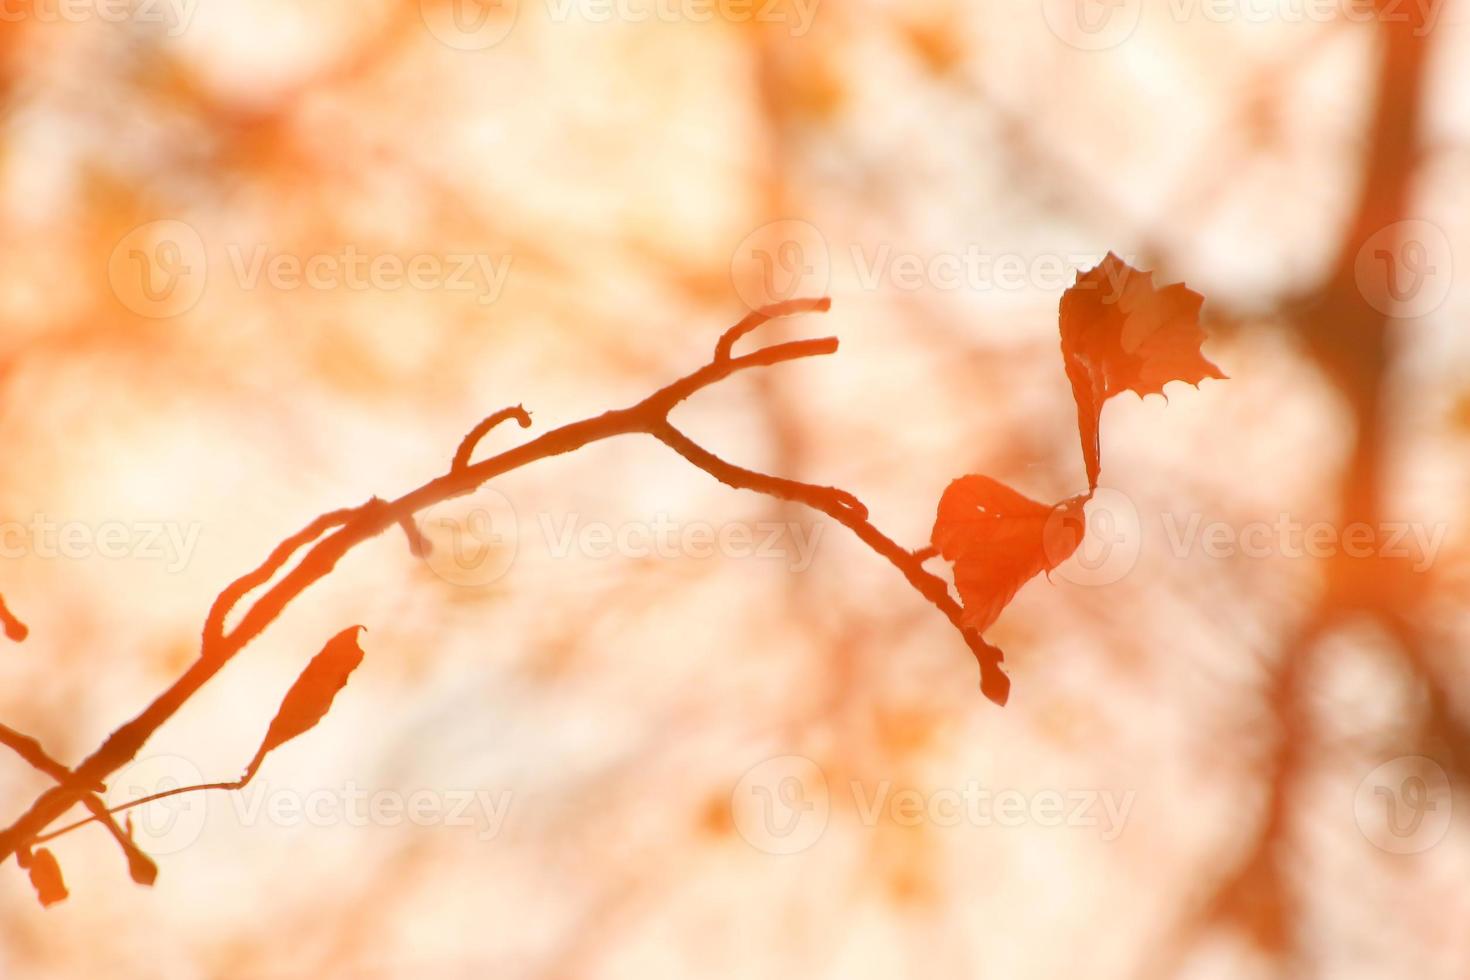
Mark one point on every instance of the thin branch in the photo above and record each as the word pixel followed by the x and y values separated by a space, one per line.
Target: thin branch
pixel 467 445
pixel 850 512
pixel 141 867
pixel 764 315
pixel 330 537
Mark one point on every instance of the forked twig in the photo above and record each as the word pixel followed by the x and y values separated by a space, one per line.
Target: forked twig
pixel 330 537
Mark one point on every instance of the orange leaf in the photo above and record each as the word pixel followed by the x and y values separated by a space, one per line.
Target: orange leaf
pixel 1120 333
pixel 46 877
pixel 13 627
pixel 998 540
pixel 309 699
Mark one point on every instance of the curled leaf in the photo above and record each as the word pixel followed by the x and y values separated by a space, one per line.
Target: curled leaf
pixel 309 699
pixel 998 540
pixel 46 877
pixel 1121 333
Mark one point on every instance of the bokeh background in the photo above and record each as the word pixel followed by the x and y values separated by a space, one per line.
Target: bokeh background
pixel 592 743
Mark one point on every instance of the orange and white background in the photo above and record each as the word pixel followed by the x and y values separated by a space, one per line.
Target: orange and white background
pixel 262 260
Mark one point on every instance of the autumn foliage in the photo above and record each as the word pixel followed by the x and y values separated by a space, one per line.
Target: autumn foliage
pixel 1119 333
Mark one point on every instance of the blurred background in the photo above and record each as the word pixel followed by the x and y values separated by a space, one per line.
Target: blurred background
pixel 260 261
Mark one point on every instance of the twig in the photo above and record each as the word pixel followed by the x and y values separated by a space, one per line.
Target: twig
pixel 330 537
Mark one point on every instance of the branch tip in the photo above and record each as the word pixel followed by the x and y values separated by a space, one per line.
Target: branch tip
pixel 472 439
pixel 765 314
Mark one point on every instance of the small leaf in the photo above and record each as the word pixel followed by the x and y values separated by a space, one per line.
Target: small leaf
pixel 998 540
pixel 309 699
pixel 1120 333
pixel 13 627
pixel 141 867
pixel 46 877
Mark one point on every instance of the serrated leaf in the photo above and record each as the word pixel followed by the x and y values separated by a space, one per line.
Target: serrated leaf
pixel 1121 333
